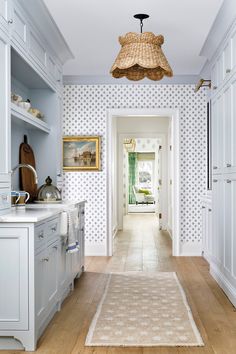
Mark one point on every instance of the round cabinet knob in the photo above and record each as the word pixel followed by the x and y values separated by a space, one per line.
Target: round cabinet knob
pixel 215 180
pixel 209 209
pixel 228 71
pixel 228 165
pixel 10 21
pixel 54 229
pixel 214 87
pixel 215 167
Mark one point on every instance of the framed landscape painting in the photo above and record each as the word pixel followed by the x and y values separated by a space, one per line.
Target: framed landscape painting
pixel 81 153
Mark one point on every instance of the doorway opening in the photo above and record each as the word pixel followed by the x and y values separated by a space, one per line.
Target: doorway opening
pixel 152 186
pixel 141 180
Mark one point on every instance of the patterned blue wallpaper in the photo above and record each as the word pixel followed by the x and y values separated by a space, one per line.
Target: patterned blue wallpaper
pixel 85 110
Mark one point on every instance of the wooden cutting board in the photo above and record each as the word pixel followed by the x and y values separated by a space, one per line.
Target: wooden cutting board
pixel 27 181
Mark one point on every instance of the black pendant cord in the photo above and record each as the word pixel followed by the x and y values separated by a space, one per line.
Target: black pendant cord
pixel 141 26
pixel 141 17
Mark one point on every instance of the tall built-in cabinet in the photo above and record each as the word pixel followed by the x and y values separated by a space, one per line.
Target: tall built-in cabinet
pixel 222 235
pixel 4 112
pixel 32 53
pixel 36 271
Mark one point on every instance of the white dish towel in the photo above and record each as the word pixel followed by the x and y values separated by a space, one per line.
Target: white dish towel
pixel 73 225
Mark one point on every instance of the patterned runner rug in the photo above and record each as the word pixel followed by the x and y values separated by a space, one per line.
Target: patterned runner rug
pixel 143 309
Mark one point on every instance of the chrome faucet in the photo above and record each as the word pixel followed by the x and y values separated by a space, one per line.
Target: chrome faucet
pixel 21 165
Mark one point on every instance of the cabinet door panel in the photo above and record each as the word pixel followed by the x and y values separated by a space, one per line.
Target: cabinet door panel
pixel 233 40
pixel 214 123
pixel 217 134
pixel 52 269
pixel 75 263
pixel 82 245
pixel 4 107
pixel 37 50
pixel 233 128
pixel 217 220
pixel 227 211
pixel 234 226
pixel 227 129
pixel 227 59
pixel 40 283
pixel 204 228
pixel 19 28
pixel 14 276
pixel 4 10
pixel 209 232
pixel 63 270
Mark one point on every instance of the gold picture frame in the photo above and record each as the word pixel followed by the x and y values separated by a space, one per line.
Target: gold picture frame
pixel 81 153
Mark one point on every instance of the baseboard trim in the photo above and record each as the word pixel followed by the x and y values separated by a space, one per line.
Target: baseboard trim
pixel 95 250
pixel 223 282
pixel 190 249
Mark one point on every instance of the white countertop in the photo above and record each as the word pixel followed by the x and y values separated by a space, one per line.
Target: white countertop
pixel 29 215
pixel 37 212
pixel 62 206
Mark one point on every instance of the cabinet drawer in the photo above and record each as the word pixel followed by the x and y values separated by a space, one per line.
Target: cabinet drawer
pixel 52 230
pixel 40 236
pixel 46 233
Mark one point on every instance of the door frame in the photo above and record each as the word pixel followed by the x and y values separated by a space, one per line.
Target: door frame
pixel 111 152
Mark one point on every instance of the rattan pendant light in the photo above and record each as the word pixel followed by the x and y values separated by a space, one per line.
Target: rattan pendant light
pixel 141 56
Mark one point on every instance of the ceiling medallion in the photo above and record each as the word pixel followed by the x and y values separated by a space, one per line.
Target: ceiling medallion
pixel 141 56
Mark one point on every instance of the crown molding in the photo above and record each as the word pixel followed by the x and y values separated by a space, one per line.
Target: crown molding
pixel 44 22
pixel 101 80
pixel 222 24
pixel 205 72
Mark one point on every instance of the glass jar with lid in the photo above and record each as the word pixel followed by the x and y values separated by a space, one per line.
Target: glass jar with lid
pixel 48 192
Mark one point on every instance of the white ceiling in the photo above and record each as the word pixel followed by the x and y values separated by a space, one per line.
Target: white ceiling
pixel 91 28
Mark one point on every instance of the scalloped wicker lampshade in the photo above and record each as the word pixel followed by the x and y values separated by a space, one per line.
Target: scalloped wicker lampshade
pixel 141 56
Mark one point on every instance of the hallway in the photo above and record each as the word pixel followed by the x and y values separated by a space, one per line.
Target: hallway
pixel 141 247
pixel 138 248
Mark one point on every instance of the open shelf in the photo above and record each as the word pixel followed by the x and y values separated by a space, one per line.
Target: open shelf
pixel 22 117
pixel 23 72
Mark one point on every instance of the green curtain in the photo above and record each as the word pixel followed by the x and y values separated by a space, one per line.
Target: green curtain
pixel 132 175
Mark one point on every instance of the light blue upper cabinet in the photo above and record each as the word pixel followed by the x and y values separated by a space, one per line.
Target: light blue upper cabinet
pixel 19 28
pixel 224 61
pixel 32 54
pixel 4 14
pixel 5 123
